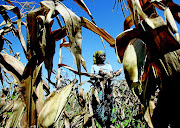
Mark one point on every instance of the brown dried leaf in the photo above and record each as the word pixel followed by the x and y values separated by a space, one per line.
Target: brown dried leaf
pixel 96 95
pixel 151 107
pixel 16 11
pixel 170 20
pixel 83 63
pixel 21 38
pixel 2 42
pixel 9 106
pixel 86 117
pixel 175 9
pixel 82 73
pixel 73 28
pixel 1 76
pixel 3 101
pixel 85 8
pixel 123 39
pixel 29 78
pixel 91 26
pixel 40 39
pixel 59 33
pixel 128 22
pixel 9 2
pixel 65 44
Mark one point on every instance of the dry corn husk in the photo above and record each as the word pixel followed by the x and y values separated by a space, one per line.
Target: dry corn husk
pixel 54 105
pixel 133 62
pixel 18 108
pixel 12 66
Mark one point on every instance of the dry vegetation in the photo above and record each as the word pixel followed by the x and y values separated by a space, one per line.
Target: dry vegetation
pixel 149 53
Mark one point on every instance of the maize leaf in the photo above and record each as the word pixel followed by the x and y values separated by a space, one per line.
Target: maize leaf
pixel 15 63
pixel 9 2
pixel 12 66
pixel 128 22
pixel 148 118
pixel 101 32
pixel 40 96
pixel 96 95
pixel 49 51
pixel 85 8
pixel 157 21
pixel 123 39
pixel 2 101
pixel 46 42
pixel 59 33
pixel 65 44
pixel 90 109
pixel 16 11
pixel 82 73
pixel 2 42
pixel 29 79
pixel 73 28
pixel 45 87
pixel 171 22
pixel 10 104
pixel 54 105
pixel 16 115
pixel 175 9
pixel 86 117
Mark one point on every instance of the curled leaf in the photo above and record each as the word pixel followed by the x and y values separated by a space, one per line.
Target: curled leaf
pixel 54 105
pixel 16 11
pixel 85 8
pixel 123 39
pixel 73 28
pixel 12 66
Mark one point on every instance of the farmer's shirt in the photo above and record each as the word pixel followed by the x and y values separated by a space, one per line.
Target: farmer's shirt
pixel 105 68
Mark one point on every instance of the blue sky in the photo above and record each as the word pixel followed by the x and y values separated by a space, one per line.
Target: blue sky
pixel 111 21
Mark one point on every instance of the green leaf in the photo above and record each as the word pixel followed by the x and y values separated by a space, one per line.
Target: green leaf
pixel 113 110
pixel 97 124
pixel 117 126
pixel 113 121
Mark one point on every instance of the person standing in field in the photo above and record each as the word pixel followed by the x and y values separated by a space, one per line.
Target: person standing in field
pixel 103 109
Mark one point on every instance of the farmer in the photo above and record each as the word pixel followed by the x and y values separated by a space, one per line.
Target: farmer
pixel 103 110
